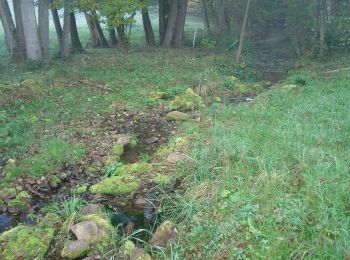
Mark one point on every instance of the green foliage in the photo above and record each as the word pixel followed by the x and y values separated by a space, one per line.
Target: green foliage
pixel 301 78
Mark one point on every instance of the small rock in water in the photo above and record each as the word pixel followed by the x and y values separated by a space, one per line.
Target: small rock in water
pixel 75 249
pixel 151 140
pixel 5 222
pixel 176 157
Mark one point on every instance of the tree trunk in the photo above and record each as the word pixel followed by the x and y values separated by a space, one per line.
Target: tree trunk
pixel 65 51
pixel 164 6
pixel 74 36
pixel 19 29
pixel 147 26
pixel 91 25
pixel 9 29
pixel 31 34
pixel 99 33
pixel 169 34
pixel 176 23
pixel 123 42
pixel 43 27
pixel 205 16
pixel 322 27
pixel 112 38
pixel 241 38
pixel 58 27
pixel 180 23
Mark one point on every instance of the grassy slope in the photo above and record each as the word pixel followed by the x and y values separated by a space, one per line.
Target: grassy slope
pixel 277 182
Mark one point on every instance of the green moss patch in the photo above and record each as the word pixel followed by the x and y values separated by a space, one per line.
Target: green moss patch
pixel 115 185
pixel 134 168
pixel 187 101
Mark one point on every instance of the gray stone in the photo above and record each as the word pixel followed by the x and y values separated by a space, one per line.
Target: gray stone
pixel 75 249
pixel 89 231
pixel 124 140
pixel 91 209
pixel 177 116
pixel 176 157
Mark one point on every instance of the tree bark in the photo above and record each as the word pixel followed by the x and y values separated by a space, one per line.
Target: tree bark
pixel 74 36
pixel 123 42
pixel 180 23
pixel 164 6
pixel 9 29
pixel 112 38
pixel 31 34
pixel 241 38
pixel 322 27
pixel 91 25
pixel 147 27
pixel 169 34
pixel 19 29
pixel 65 51
pixel 99 33
pixel 58 27
pixel 205 16
pixel 43 27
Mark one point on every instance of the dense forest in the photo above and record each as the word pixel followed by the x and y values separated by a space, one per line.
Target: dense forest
pixel 174 129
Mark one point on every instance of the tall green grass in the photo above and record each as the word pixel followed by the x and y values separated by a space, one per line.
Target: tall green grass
pixel 279 169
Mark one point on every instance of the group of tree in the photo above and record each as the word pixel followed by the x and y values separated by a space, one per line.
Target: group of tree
pixel 27 36
pixel 297 26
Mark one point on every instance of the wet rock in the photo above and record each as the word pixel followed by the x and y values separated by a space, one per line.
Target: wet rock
pixel 176 157
pixel 5 222
pixel 115 185
pixel 176 116
pixel 124 140
pixel 90 231
pixel 164 234
pixel 63 176
pixel 19 204
pixel 186 101
pixel 75 249
pixel 129 228
pixel 91 209
pixel 3 206
pixel 118 150
pixel 43 185
pixel 50 220
pixel 151 140
pixel 140 202
pixel 7 194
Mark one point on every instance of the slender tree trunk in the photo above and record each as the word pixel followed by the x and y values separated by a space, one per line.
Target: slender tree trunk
pixel 164 6
pixel 112 38
pixel 43 27
pixel 31 34
pixel 91 25
pixel 65 51
pixel 99 33
pixel 123 42
pixel 168 38
pixel 147 26
pixel 205 16
pixel 322 28
pixel 9 29
pixel 74 36
pixel 19 29
pixel 241 38
pixel 58 27
pixel 180 23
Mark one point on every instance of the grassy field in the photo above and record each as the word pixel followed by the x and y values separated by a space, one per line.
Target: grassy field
pixel 270 179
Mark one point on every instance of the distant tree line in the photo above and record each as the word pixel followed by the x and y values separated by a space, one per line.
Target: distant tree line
pixel 297 25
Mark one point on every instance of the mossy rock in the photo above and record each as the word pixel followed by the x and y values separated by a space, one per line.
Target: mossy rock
pixel 50 220
pixel 75 249
pixel 24 242
pixel 21 202
pixel 157 95
pixel 8 194
pixel 134 168
pixel 241 89
pixel 81 189
pixel 91 170
pixel 122 184
pixel 162 179
pixel 187 101
pixel 176 116
pixel 118 150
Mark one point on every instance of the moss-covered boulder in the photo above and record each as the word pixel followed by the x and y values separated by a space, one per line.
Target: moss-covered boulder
pixel 176 116
pixel 75 249
pixel 187 101
pixel 24 242
pixel 19 204
pixel 162 179
pixel 157 95
pixel 131 169
pixel 118 150
pixel 121 184
pixel 54 181
pixel 165 233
